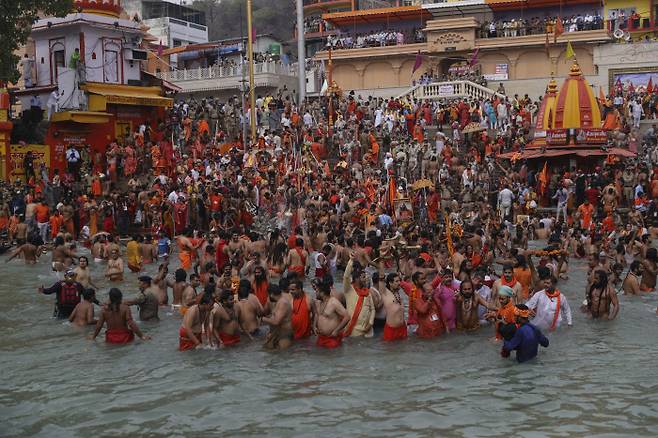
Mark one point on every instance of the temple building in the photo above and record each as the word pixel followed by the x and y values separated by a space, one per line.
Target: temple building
pixel 87 78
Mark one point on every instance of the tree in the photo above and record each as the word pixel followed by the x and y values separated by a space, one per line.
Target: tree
pixel 16 19
pixel 228 18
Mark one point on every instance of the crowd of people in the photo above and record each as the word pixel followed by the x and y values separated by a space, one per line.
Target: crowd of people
pixel 406 201
pixel 384 37
pixel 539 26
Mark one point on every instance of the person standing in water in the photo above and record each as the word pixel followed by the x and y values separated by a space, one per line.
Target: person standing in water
pixel 68 293
pixel 147 300
pixel 601 298
pixel 196 322
pixel 526 339
pixel 280 321
pixel 330 318
pixel 83 314
pixel 550 305
pixel 121 328
pixel 83 273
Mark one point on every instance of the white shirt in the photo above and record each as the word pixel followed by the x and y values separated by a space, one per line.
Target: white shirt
pixel 545 308
pixel 485 293
pixel 505 197
pixel 173 197
pixel 308 119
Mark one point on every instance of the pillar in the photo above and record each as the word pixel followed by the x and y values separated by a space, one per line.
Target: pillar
pixel 5 132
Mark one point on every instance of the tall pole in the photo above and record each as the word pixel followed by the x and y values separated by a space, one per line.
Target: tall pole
pixel 243 83
pixel 252 91
pixel 301 52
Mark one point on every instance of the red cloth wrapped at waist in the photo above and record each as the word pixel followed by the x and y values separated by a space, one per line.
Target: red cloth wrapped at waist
pixel 329 341
pixel 119 336
pixel 229 339
pixel 299 270
pixel 186 343
pixel 395 333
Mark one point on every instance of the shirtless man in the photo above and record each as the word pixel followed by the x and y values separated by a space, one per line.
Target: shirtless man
pixel 296 259
pixel 180 278
pixel 120 325
pixel 60 255
pixel 83 273
pixel 235 247
pixel 98 249
pixel 189 293
pixel 29 252
pixel 507 280
pixel 161 283
pixel 114 271
pixel 195 319
pixel 21 232
pixel 389 288
pixel 331 318
pixel 148 250
pixel 280 322
pixel 83 313
pixel 250 309
pixel 631 284
pixel 650 271
pixel 468 303
pixel 601 296
pixel 226 321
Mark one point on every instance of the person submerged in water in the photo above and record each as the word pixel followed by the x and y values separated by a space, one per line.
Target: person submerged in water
pixel 526 338
pixel 196 321
pixel 116 316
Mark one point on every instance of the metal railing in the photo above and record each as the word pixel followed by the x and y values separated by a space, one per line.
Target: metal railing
pixel 449 90
pixel 217 72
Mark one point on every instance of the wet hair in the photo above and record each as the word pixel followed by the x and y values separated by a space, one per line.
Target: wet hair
pixel 416 275
pixel 284 283
pixel 115 299
pixel 225 295
pixel 85 259
pixel 356 270
pixel 543 272
pixel 390 278
pixel 207 297
pixel 274 290
pixel 299 242
pixel 145 279
pixel 180 275
pixel 299 283
pixel 635 265
pixel 88 294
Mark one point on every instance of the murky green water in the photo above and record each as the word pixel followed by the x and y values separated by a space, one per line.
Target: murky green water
pixel 596 379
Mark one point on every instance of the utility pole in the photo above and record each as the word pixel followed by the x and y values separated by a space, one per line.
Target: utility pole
pixel 301 52
pixel 252 91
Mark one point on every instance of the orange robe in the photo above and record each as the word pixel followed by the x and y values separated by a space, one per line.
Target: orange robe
pixel 301 319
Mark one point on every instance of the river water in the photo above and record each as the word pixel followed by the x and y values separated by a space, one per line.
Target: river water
pixel 595 379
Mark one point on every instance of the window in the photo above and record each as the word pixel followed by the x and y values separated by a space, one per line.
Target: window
pixel 111 59
pixel 58 59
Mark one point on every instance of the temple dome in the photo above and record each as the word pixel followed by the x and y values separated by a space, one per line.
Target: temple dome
pixel 110 8
pixel 576 106
pixel 546 114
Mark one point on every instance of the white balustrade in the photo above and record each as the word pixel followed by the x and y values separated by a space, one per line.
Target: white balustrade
pixel 216 71
pixel 449 90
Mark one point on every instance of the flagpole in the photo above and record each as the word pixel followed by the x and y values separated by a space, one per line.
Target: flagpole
pixel 301 52
pixel 250 51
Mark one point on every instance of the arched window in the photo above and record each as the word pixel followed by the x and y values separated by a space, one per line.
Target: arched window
pixel 57 59
pixel 111 60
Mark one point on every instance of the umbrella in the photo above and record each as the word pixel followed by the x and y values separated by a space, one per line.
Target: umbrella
pixel 473 127
pixel 423 184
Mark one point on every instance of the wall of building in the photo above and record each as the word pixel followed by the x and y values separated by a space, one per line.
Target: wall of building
pixel 643 7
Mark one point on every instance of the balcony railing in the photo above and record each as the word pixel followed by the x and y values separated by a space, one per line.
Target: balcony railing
pixel 449 90
pixel 641 24
pixel 218 72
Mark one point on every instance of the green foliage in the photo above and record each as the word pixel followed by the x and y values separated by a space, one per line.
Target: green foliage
pixel 16 19
pixel 228 18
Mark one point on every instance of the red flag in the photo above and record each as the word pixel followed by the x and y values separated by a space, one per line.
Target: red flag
pixel 559 29
pixel 650 86
pixel 543 179
pixel 418 63
pixel 160 49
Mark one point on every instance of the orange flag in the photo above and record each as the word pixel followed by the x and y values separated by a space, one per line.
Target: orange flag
pixel 543 179
pixel 601 96
pixel 559 29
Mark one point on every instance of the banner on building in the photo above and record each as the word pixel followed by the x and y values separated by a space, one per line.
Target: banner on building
pixel 446 90
pixel 501 73
pixel 17 154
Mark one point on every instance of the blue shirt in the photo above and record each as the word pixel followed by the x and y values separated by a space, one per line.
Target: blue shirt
pixel 526 342
pixel 385 219
pixel 163 246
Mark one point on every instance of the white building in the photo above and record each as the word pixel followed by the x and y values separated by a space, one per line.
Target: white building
pixel 174 22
